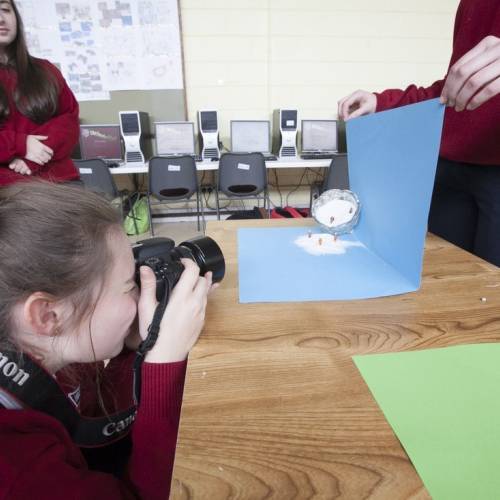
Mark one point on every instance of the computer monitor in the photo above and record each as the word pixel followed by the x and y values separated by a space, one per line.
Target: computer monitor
pixel 319 135
pixel 101 141
pixel 174 138
pixel 250 136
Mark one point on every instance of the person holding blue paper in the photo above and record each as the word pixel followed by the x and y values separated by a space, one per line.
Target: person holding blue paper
pixel 465 207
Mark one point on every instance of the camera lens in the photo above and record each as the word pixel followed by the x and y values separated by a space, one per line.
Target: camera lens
pixel 206 253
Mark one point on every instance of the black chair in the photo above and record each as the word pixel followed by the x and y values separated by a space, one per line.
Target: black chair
pixel 337 177
pixel 242 176
pixel 173 179
pixel 95 175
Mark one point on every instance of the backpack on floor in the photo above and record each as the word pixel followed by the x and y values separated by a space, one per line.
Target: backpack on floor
pixel 137 220
pixel 289 213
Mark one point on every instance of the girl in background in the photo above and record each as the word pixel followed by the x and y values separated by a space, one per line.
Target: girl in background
pixel 39 124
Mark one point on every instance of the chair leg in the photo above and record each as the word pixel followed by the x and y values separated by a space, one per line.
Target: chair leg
pixel 217 203
pixel 150 216
pixel 121 207
pixel 314 193
pixel 203 222
pixel 131 212
pixel 198 209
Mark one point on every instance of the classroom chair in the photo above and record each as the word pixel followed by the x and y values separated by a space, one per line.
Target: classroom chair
pixel 95 175
pixel 173 179
pixel 242 176
pixel 337 177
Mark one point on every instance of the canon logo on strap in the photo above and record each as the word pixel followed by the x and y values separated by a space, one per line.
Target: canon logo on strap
pixel 114 427
pixel 11 370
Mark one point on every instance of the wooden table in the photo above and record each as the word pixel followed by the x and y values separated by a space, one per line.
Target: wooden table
pixel 274 407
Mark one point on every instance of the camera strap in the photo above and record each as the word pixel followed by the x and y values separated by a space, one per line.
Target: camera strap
pixel 26 381
pixel 146 345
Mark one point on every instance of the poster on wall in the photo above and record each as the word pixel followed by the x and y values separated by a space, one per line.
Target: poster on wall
pixel 81 61
pixel 109 44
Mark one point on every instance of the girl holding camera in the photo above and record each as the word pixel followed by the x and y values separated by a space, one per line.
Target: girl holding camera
pixel 69 301
pixel 39 124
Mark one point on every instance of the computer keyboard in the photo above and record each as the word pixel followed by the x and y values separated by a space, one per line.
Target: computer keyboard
pixel 270 158
pixel 316 156
pixel 176 155
pixel 113 163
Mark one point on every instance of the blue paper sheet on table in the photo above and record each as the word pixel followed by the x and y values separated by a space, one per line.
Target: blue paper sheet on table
pixel 392 164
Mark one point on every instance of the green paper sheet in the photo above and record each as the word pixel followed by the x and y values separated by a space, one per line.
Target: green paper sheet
pixel 444 406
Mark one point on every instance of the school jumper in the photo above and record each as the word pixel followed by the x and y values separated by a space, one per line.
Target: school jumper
pixel 465 205
pixel 62 130
pixel 39 460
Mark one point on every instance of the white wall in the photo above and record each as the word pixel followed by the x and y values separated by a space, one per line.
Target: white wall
pixel 247 57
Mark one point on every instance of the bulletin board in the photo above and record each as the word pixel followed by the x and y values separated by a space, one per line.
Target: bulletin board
pixel 114 54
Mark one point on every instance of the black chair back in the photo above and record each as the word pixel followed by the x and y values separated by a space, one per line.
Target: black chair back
pixel 242 174
pixel 338 174
pixel 96 176
pixel 172 177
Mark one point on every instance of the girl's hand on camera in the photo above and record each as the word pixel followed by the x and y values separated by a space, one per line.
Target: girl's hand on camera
pixel 184 316
pixel 133 339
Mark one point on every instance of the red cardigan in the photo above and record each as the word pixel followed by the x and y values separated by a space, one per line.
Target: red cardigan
pixel 62 131
pixel 468 136
pixel 39 460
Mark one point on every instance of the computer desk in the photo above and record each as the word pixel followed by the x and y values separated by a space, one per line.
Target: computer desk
pixel 214 165
pixel 275 408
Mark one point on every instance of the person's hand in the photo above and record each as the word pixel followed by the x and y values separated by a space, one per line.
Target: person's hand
pixel 37 151
pixel 19 166
pixel 184 316
pixel 356 104
pixel 133 339
pixel 475 77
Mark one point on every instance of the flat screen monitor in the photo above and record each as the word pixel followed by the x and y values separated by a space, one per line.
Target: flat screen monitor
pixel 101 141
pixel 319 135
pixel 250 136
pixel 174 138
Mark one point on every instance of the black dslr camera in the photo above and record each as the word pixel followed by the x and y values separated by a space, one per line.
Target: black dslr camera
pixel 163 257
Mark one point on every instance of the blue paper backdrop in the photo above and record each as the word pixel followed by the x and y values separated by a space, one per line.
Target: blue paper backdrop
pixel 392 164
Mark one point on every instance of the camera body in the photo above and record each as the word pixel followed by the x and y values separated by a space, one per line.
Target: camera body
pixel 164 258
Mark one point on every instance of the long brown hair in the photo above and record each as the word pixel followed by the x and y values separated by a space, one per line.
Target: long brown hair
pixel 37 91
pixel 54 239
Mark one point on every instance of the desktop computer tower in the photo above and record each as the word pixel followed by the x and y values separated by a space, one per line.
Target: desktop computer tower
pixel 285 126
pixel 208 127
pixel 135 130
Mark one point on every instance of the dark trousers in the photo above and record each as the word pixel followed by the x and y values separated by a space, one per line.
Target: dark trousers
pixel 465 208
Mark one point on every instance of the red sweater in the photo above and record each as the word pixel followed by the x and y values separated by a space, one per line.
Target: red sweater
pixel 62 131
pixel 468 136
pixel 39 460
